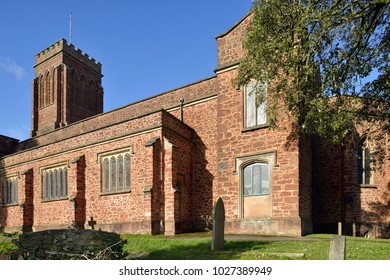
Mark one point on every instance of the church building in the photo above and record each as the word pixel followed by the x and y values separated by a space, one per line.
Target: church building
pixel 157 166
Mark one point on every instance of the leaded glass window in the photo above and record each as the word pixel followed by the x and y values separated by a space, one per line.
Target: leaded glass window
pixel 10 190
pixel 127 172
pixel 120 172
pixel 364 161
pixel 116 173
pixel 255 105
pixel 55 183
pixel 256 179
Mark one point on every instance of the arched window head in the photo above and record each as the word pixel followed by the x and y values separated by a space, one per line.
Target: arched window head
pixel 256 179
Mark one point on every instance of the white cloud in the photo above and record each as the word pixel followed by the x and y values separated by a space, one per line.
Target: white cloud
pixel 10 66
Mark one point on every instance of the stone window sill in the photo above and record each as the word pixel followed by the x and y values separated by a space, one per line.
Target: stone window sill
pixel 252 195
pixel 116 192
pixel 246 129
pixel 54 199
pixel 367 186
pixel 10 205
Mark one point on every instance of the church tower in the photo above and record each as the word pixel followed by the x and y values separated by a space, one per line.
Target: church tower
pixel 66 88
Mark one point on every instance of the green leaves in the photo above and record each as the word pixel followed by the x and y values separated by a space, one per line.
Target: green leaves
pixel 316 57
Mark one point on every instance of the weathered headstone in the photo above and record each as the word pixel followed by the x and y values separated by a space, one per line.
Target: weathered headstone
pixel 337 248
pixel 218 237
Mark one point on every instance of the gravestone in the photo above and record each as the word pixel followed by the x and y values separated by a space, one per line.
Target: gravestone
pixel 337 248
pixel 218 237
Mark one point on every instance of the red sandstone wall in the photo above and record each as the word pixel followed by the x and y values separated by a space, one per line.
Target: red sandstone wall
pixel 7 145
pixel 45 119
pixel 167 100
pixel 306 183
pixel 234 141
pixel 237 144
pixel 339 197
pixel 123 212
pixel 120 212
pixel 11 217
pixel 202 117
pixel 178 162
pixel 230 43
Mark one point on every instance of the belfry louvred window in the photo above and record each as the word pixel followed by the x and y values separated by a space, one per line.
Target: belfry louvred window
pixel 116 173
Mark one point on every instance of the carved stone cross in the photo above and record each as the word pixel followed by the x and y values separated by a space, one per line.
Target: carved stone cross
pixel 92 223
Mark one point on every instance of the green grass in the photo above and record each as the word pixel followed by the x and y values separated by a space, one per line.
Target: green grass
pixel 6 245
pixel 197 247
pixel 160 248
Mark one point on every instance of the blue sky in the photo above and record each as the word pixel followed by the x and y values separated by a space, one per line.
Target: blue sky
pixel 145 47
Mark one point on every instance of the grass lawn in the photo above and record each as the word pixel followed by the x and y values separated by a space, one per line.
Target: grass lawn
pixel 165 248
pixel 6 244
pixel 197 247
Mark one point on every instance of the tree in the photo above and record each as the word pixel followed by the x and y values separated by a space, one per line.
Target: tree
pixel 326 64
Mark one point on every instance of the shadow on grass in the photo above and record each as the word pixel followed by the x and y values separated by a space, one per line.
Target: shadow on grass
pixel 171 249
pixel 194 247
pixel 202 251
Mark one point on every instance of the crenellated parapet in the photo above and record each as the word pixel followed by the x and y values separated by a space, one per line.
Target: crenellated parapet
pixel 63 46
